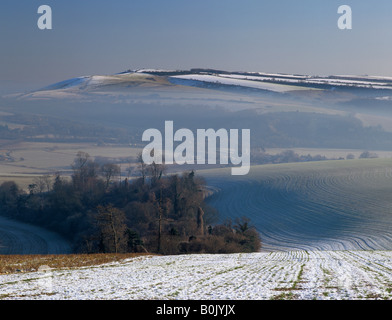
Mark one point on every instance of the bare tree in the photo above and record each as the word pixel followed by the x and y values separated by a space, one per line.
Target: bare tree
pixel 142 167
pixel 112 225
pixel 84 169
pixel 200 221
pixel 109 171
pixel 80 161
pixel 155 171
pixel 43 183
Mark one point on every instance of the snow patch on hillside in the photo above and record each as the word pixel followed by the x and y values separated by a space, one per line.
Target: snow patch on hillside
pixel 70 83
pixel 236 81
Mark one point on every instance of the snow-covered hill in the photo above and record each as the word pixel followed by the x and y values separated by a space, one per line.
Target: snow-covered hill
pixel 123 83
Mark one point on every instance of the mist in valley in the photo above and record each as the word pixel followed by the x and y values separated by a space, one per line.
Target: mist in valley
pixel 345 119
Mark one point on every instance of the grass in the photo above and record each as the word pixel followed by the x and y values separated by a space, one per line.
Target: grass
pixel 29 263
pixel 299 277
pixel 229 270
pixel 284 296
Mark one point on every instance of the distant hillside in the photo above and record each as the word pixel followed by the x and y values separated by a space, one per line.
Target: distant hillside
pixel 210 78
pixel 282 110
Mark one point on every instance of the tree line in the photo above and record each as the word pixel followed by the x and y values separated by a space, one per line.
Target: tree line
pixel 51 129
pixel 154 212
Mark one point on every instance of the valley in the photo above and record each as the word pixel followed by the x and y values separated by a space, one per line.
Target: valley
pixel 324 223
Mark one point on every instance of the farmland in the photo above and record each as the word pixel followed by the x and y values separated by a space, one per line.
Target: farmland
pixel 327 205
pixel 305 275
pixel 29 160
pixel 23 238
pixel 325 228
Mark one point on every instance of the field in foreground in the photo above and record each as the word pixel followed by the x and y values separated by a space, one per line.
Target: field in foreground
pixel 256 276
pixel 32 262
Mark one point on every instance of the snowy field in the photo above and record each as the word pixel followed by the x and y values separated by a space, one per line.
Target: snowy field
pixel 321 205
pixel 301 275
pixel 22 238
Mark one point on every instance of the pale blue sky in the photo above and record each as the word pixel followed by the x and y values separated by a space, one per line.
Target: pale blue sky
pixel 105 37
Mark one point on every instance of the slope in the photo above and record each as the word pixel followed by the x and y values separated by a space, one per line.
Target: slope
pixel 326 205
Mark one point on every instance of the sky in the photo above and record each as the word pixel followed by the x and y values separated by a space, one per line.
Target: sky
pixel 106 37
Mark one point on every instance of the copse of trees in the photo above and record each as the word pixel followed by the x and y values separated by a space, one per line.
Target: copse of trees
pixel 154 212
